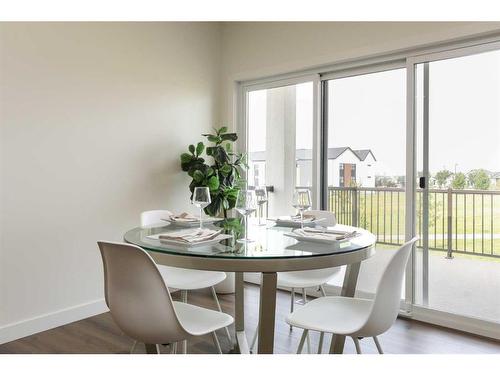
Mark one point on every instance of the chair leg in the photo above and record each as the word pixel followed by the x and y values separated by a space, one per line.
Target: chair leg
pixel 320 345
pixel 254 339
pixel 133 347
pixel 377 343
pixel 304 297
pixel 322 289
pixel 216 342
pixel 214 294
pixel 174 348
pixel 292 303
pixel 184 298
pixel 302 340
pixel 356 344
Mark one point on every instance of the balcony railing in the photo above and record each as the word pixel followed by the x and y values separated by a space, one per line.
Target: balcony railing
pixel 460 221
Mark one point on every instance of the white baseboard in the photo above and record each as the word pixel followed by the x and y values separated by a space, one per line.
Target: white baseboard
pixel 55 319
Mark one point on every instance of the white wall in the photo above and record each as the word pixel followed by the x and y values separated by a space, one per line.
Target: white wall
pixel 256 49
pixel 93 118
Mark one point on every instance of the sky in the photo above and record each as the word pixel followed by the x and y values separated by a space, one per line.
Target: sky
pixel 369 112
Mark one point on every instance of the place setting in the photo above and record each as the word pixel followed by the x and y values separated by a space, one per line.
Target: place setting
pixel 301 202
pixel 192 237
pixel 322 235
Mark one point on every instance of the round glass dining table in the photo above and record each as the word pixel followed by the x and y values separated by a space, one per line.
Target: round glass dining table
pixel 272 251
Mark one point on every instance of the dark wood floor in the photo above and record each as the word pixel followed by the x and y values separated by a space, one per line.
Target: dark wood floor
pixel 99 334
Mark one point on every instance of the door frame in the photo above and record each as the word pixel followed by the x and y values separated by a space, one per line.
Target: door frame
pixel 409 57
pixel 424 312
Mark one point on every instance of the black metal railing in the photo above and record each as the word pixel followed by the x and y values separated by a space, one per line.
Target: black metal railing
pixel 462 221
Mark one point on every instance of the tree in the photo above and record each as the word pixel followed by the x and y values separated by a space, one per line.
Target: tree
pixel 478 179
pixel 384 181
pixel 442 177
pixel 459 181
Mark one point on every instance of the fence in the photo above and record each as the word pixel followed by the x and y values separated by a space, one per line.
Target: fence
pixel 462 221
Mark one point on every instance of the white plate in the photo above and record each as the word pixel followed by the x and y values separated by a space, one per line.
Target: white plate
pixel 294 223
pixel 301 238
pixel 189 224
pixel 213 241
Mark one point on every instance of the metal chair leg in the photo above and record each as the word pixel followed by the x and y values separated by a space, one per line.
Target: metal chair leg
pixel 304 297
pixel 292 303
pixel 184 297
pixel 302 340
pixel 356 344
pixel 133 347
pixel 377 343
pixel 174 348
pixel 216 342
pixel 322 289
pixel 320 345
pixel 214 294
pixel 254 339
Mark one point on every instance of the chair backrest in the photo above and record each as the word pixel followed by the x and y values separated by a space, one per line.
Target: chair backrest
pixel 388 295
pixel 154 217
pixel 136 294
pixel 330 219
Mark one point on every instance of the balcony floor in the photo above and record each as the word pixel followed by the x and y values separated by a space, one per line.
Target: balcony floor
pixel 465 285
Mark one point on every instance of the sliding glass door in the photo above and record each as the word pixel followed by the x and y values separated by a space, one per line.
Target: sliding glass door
pixel 365 163
pixel 457 106
pixel 409 146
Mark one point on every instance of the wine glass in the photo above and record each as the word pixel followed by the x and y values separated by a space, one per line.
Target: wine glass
pixel 201 199
pixel 246 204
pixel 261 195
pixel 302 202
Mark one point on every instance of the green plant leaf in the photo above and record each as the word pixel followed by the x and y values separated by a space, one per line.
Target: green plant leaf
pixel 229 137
pixel 213 183
pixel 226 169
pixel 198 176
pixel 199 148
pixel 228 148
pixel 185 157
pixel 213 138
pixel 222 130
pixel 191 149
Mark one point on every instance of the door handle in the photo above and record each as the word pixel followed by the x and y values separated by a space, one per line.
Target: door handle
pixel 421 182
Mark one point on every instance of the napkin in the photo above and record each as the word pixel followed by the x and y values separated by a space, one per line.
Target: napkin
pixel 307 218
pixel 192 236
pixel 326 235
pixel 184 217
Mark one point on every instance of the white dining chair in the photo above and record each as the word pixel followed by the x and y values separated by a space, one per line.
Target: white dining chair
pixel 357 317
pixel 140 303
pixel 185 279
pixel 306 279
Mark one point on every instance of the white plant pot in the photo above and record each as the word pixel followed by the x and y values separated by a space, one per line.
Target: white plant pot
pixel 226 286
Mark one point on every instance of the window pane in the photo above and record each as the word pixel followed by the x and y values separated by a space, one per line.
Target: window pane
pixel 280 132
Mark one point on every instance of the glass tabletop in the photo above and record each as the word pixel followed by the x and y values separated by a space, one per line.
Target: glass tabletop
pixel 270 242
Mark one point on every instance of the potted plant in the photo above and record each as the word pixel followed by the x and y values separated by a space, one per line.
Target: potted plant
pixel 222 177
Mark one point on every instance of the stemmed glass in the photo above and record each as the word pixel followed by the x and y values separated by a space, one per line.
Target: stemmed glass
pixel 302 202
pixel 261 194
pixel 201 199
pixel 246 204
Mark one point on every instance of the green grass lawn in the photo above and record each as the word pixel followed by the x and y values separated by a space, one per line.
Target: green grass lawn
pixel 383 214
